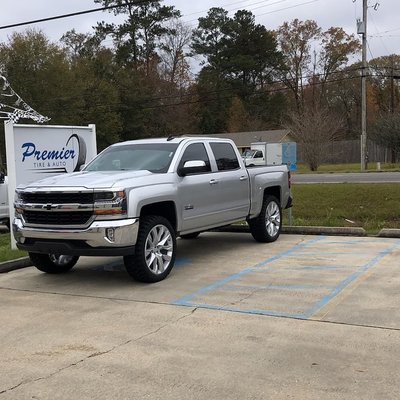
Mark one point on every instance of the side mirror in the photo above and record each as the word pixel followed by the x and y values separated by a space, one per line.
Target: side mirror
pixel 192 167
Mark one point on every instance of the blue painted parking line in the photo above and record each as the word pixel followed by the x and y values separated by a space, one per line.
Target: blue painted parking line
pixel 274 287
pixel 346 282
pixel 182 261
pixel 298 251
pixel 185 299
pixel 256 311
pixel 318 268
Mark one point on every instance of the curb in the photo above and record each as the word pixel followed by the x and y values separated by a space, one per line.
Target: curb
pixel 12 265
pixel 389 233
pixel 320 230
pixel 304 230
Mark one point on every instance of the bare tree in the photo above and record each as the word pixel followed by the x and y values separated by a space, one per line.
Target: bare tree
pixel 174 48
pixel 314 127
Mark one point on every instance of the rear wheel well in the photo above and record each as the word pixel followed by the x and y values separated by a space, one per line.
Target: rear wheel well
pixel 274 191
pixel 164 209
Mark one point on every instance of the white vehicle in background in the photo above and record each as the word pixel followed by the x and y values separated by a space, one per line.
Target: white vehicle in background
pixel 253 157
pixel 4 211
pixel 263 153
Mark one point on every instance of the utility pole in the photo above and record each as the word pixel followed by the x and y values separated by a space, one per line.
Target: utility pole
pixel 364 148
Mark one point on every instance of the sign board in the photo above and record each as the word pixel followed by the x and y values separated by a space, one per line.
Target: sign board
pixel 38 151
pixel 278 153
pixel 35 152
pixel 289 155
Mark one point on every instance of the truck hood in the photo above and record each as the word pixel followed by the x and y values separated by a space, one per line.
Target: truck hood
pixel 89 180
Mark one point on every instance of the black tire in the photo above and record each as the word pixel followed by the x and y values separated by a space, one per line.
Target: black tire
pixel 7 224
pixel 52 263
pixel 193 235
pixel 267 226
pixel 144 265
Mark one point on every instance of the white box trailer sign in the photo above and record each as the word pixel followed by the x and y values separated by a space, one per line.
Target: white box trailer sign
pixel 35 152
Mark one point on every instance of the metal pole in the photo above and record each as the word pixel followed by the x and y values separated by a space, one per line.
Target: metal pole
pixel 392 86
pixel 364 151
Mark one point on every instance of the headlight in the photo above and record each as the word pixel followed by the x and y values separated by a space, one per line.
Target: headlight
pixel 18 200
pixel 110 203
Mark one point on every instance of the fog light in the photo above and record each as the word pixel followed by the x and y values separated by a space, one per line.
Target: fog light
pixel 110 233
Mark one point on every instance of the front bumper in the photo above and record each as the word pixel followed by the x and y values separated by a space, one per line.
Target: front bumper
pixel 92 241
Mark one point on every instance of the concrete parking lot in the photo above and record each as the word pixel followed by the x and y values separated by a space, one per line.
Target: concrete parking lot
pixel 306 317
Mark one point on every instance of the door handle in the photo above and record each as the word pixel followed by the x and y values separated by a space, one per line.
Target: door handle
pixel 213 182
pixel 243 178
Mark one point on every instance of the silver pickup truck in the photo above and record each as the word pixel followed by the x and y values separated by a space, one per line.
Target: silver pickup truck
pixel 135 198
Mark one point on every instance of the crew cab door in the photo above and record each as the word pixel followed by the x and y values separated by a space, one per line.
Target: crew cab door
pixel 219 195
pixel 197 196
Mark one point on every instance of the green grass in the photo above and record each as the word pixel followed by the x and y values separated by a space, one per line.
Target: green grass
pixel 370 206
pixel 331 168
pixel 6 253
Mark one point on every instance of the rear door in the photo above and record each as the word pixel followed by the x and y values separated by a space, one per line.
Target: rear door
pixel 231 183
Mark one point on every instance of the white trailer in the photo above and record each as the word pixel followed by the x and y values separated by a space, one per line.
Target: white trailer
pixel 263 153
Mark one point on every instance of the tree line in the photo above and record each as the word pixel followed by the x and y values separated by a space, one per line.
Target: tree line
pixel 154 75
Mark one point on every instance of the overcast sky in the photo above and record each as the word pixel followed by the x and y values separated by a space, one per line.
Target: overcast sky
pixel 383 23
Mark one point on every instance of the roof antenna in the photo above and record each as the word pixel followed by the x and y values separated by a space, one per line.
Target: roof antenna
pixel 170 137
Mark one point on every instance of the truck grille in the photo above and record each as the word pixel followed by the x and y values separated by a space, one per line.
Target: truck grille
pixel 58 198
pixel 57 218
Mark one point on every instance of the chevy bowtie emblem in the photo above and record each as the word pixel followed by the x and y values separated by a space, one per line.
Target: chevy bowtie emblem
pixel 48 207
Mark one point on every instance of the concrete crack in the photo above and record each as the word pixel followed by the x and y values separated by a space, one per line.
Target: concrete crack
pixel 98 354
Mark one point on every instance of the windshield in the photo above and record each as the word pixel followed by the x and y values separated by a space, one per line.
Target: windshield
pixel 248 153
pixel 153 157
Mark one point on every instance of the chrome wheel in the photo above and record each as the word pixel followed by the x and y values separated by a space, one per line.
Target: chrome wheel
pixel 158 249
pixel 155 250
pixel 273 219
pixel 266 227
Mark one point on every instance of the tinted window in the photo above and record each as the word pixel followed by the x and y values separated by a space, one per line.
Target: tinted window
pixel 258 154
pixel 195 152
pixel 225 156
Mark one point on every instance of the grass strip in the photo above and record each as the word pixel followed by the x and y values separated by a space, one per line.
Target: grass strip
pixel 370 206
pixel 332 168
pixel 6 254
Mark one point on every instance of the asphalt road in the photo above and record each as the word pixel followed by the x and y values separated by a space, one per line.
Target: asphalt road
pixel 356 177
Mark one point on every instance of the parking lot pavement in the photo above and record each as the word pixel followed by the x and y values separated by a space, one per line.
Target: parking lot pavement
pixel 304 317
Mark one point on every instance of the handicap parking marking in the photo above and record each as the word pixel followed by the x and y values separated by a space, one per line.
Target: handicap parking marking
pixel 186 300
pixel 295 291
pixel 318 310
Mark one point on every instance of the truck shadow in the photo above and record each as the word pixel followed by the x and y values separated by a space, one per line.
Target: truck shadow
pixel 191 254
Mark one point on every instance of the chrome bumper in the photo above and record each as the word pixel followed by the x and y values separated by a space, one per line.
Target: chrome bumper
pixel 90 241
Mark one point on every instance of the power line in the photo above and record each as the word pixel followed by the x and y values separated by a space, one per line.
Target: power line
pixel 93 10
